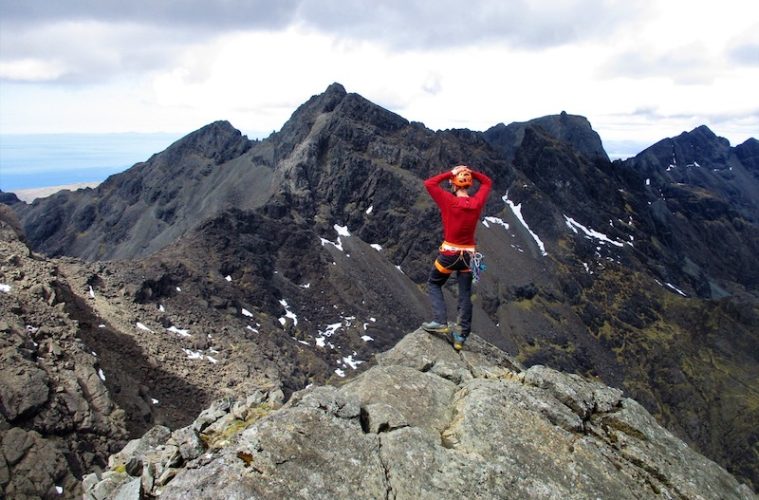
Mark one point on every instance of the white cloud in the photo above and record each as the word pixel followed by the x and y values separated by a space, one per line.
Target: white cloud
pixel 419 24
pixel 197 15
pixel 89 52
pixel 169 66
pixel 30 70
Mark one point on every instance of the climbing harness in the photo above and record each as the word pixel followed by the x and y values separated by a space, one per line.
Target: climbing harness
pixel 476 262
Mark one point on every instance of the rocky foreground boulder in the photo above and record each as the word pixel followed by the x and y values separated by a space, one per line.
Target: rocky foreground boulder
pixel 423 422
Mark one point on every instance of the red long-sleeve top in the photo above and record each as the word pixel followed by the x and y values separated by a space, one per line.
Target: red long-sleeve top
pixel 460 214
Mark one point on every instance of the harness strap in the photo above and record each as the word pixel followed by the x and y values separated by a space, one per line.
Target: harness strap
pixel 442 268
pixel 447 270
pixel 453 247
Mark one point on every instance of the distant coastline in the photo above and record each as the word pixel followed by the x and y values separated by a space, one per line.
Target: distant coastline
pixel 29 195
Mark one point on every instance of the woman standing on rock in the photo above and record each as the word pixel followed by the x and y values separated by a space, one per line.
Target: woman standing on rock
pixel 460 213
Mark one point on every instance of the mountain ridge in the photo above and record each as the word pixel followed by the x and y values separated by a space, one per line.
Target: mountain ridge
pixel 326 223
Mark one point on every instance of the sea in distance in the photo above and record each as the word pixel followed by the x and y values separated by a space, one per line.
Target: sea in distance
pixel 41 160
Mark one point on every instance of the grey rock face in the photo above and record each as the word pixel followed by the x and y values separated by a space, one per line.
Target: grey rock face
pixel 24 389
pixel 426 422
pixel 57 418
pixel 37 464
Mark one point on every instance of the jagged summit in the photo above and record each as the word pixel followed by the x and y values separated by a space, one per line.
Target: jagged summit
pixel 150 205
pixel 749 143
pixel 748 154
pixel 338 107
pixel 424 422
pixel 218 141
pixel 701 160
pixel 572 129
pixel 700 146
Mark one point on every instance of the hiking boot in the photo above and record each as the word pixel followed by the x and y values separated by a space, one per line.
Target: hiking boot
pixel 435 327
pixel 457 341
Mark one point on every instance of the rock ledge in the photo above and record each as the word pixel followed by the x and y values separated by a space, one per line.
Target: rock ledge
pixel 424 422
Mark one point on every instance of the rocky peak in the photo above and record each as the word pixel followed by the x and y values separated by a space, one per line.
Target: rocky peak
pixel 704 134
pixel 190 157
pixel 748 154
pixel 704 165
pixel 302 120
pixel 163 196
pixel 335 90
pixel 699 147
pixel 572 129
pixel 218 141
pixel 9 198
pixel 423 422
pixel 346 110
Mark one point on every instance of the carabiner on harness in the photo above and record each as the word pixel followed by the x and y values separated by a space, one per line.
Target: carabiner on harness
pixel 477 265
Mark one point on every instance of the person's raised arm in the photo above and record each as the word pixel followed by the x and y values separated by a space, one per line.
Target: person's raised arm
pixel 433 186
pixel 435 180
pixel 486 184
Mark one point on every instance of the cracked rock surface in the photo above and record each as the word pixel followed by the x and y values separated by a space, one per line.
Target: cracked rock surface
pixel 427 422
pixel 57 419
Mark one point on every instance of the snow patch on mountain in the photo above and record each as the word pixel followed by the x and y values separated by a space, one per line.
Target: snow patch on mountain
pixel 592 233
pixel 494 220
pixel 517 210
pixel 288 314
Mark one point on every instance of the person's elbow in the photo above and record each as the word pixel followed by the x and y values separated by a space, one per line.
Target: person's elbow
pixel 484 179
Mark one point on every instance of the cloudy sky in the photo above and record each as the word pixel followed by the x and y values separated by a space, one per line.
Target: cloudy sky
pixel 640 70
